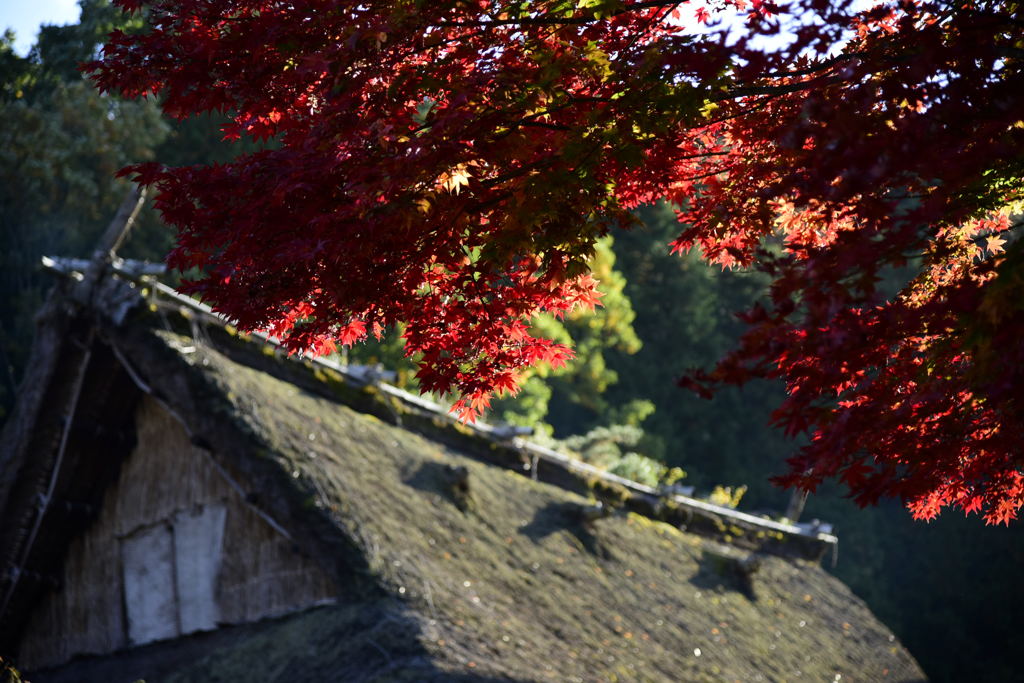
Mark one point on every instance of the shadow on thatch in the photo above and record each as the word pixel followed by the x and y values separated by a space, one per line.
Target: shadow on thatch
pixel 723 568
pixel 363 643
pixel 566 516
pixel 447 481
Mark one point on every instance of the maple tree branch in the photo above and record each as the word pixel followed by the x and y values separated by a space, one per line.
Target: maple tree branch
pixel 704 155
pixel 542 124
pixel 511 175
pixel 591 98
pixel 818 67
pixel 761 104
pixel 701 176
pixel 990 14
pixel 545 20
pixel 545 196
pixel 653 21
pixel 447 41
pixel 783 89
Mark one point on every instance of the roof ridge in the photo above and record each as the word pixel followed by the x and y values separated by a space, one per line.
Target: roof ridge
pixel 142 273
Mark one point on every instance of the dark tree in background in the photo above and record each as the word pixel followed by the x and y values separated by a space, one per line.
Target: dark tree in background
pixel 60 147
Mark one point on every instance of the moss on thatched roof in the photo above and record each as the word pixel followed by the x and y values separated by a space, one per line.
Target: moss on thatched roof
pixel 475 572
pixel 452 564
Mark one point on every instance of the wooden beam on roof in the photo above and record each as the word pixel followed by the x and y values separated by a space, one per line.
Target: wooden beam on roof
pixel 112 238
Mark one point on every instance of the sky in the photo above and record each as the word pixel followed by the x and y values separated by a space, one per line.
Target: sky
pixel 25 16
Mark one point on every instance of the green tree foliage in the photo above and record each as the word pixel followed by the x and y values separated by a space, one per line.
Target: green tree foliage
pixel 612 448
pixel 60 50
pixel 60 146
pixel 684 319
pixel 573 398
pixel 604 446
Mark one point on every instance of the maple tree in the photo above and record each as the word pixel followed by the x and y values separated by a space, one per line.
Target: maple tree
pixel 451 165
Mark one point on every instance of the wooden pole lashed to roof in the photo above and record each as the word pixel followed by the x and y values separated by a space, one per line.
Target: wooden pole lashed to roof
pixel 121 224
pixel 45 496
pixel 111 240
pixel 19 438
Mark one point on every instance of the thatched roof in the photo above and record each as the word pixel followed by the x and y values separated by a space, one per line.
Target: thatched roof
pixel 455 565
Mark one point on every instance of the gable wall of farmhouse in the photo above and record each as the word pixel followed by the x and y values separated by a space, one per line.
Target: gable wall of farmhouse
pixel 175 549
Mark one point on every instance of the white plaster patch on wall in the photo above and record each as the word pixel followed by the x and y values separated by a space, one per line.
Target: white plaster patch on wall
pixel 198 538
pixel 147 559
pixel 170 575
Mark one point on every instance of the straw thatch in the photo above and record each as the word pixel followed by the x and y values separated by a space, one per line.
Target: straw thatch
pixel 442 566
pixel 166 477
